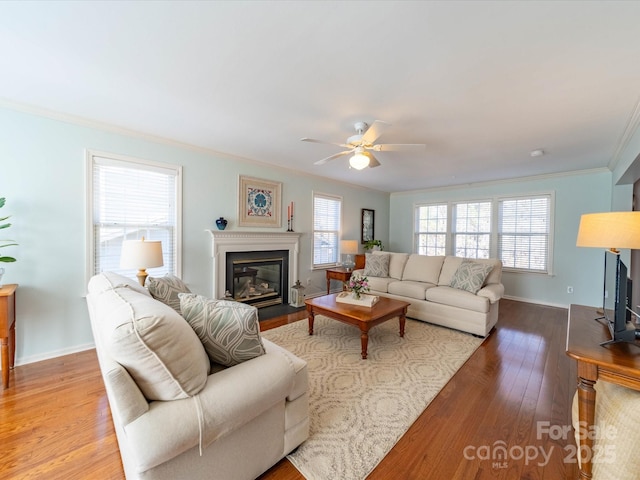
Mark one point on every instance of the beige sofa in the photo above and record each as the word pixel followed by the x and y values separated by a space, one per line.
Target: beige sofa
pixel 176 414
pixel 425 281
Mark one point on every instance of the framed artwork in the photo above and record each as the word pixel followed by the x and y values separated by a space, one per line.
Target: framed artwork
pixel 259 202
pixel 368 218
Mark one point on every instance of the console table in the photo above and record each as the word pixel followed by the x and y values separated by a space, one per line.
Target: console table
pixel 8 329
pixel 617 363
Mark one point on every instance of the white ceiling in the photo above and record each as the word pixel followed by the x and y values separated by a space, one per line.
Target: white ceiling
pixel 480 83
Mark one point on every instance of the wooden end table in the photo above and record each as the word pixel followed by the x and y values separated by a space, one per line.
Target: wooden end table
pixel 8 329
pixel 617 363
pixel 365 318
pixel 338 273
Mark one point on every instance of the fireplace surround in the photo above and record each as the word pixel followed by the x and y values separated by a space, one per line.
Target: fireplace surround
pixel 223 242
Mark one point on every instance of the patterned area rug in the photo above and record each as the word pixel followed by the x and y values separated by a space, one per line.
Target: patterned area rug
pixel 360 408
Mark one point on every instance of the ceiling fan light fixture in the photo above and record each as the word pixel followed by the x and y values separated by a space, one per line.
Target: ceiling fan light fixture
pixel 359 160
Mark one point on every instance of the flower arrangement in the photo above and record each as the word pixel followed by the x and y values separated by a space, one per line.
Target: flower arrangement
pixel 358 285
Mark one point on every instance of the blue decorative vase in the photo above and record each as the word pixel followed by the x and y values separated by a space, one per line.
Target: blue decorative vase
pixel 221 223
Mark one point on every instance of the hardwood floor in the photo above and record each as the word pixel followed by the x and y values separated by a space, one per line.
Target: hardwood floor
pixel 55 421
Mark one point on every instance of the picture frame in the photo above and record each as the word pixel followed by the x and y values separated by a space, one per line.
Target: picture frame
pixel 367 229
pixel 259 202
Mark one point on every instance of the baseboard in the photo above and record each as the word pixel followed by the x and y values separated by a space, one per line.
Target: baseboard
pixel 53 354
pixel 535 302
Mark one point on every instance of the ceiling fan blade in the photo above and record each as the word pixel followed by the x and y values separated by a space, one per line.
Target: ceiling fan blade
pixel 373 162
pixel 398 147
pixel 312 140
pixel 332 157
pixel 376 129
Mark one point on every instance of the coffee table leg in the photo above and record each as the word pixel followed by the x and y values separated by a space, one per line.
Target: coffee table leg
pixel 402 322
pixel 311 322
pixel 364 339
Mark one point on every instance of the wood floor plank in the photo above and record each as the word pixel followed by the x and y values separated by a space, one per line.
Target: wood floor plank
pixel 56 423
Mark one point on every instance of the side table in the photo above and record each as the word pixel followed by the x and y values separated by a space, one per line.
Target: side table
pixel 338 273
pixel 8 329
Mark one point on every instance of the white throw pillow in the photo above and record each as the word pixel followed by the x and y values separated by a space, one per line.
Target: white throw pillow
pixel 228 330
pixel 376 265
pixel 470 276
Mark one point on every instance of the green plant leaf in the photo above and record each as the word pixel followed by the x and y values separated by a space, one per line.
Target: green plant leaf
pixel 5 225
pixel 2 200
pixel 8 244
pixel 7 259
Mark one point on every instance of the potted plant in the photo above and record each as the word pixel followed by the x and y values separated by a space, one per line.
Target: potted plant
pixel 3 242
pixel 373 245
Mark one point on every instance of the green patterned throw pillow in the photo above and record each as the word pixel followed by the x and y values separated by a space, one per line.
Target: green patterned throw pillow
pixel 376 265
pixel 470 276
pixel 228 330
pixel 166 289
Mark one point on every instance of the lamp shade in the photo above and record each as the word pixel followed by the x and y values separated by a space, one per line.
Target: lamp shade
pixel 349 247
pixel 141 254
pixel 612 230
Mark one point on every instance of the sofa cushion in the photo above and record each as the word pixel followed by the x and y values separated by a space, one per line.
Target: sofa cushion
pixel 451 264
pixel 397 262
pixel 470 276
pixel 380 284
pixel 423 268
pixel 228 330
pixel 409 288
pixel 166 289
pixel 458 298
pixel 376 265
pixel 158 348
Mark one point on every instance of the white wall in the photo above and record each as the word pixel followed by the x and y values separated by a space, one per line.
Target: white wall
pixel 42 171
pixel 575 194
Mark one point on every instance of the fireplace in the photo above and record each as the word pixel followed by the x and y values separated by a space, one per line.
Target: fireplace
pixel 260 245
pixel 257 277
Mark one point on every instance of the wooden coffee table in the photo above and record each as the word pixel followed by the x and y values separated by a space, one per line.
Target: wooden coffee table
pixel 365 318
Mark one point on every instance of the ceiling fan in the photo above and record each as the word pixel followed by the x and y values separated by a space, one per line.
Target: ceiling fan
pixel 362 144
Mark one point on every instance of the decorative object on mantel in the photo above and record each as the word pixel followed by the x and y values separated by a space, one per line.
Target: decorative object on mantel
pixel 358 285
pixel 221 223
pixel 259 202
pixel 297 295
pixel 290 217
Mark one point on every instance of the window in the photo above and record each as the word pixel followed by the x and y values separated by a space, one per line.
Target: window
pixel 518 230
pixel 130 199
pixel 431 229
pixel 326 230
pixel 472 230
pixel 523 235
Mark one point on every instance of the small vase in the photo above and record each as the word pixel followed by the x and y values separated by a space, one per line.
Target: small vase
pixel 356 295
pixel 221 223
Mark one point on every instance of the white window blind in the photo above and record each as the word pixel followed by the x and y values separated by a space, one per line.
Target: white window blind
pixel 132 199
pixel 326 229
pixel 524 228
pixel 472 229
pixel 431 229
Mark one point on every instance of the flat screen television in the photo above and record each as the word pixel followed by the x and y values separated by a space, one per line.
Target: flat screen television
pixel 614 299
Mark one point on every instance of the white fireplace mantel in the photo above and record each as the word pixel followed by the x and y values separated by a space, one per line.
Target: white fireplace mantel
pixel 223 242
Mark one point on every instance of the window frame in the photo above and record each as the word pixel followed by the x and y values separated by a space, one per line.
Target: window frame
pixel 338 232
pixel 93 159
pixel 495 226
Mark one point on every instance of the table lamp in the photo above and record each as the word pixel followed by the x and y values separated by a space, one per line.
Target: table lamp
pixel 610 230
pixel 349 248
pixel 141 254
